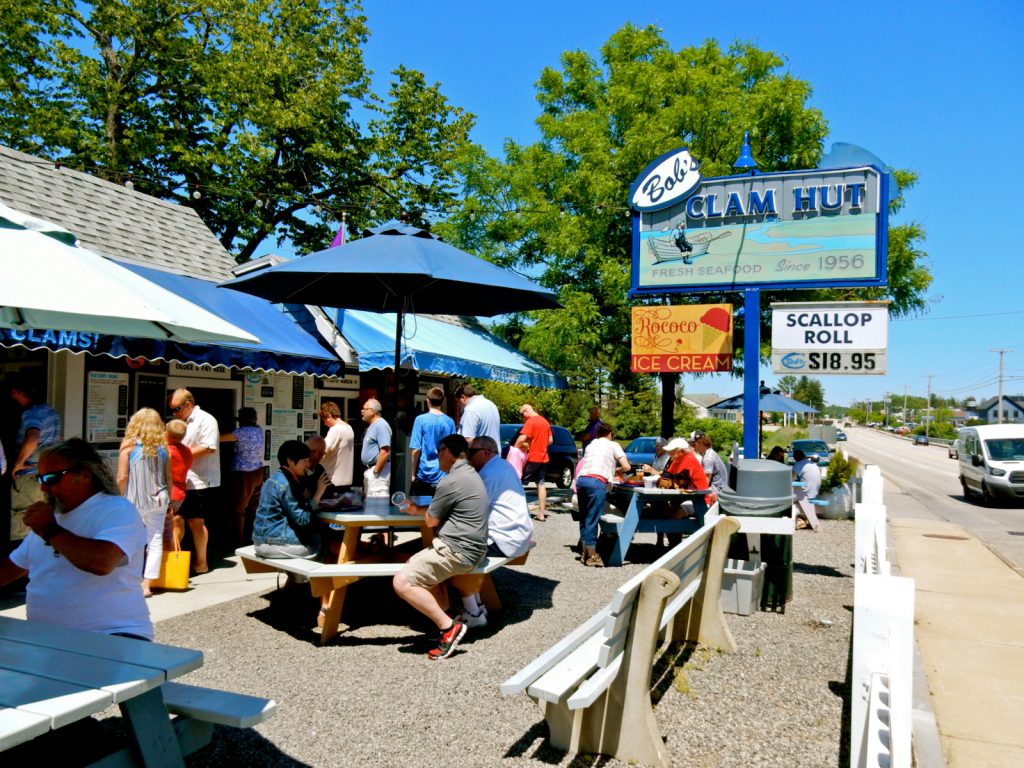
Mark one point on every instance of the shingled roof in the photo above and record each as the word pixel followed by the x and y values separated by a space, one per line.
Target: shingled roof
pixel 113 220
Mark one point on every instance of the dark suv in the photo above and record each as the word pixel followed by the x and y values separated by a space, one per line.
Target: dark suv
pixel 563 454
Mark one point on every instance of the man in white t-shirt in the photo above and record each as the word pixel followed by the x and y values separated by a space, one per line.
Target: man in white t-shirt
pixel 84 554
pixel 807 472
pixel 339 456
pixel 202 437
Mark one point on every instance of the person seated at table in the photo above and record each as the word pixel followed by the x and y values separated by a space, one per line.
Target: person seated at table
pixel 685 473
pixel 458 512
pixel 603 460
pixel 316 482
pixel 714 467
pixel 509 525
pixel 808 472
pixel 661 458
pixel 285 524
pixel 778 453
pixel 85 551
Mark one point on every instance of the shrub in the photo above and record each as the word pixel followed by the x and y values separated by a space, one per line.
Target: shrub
pixel 840 470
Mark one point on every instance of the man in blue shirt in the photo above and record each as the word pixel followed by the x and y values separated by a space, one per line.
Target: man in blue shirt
pixel 40 426
pixel 427 431
pixel 376 451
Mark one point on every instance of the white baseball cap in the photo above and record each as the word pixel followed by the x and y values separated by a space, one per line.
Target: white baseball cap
pixel 677 444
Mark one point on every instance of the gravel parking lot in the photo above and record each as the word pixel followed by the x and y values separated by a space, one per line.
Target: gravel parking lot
pixel 372 698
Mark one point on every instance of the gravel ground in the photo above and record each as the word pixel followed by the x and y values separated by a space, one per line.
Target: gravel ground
pixel 372 698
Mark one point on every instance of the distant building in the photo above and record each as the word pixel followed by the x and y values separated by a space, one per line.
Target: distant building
pixel 1013 409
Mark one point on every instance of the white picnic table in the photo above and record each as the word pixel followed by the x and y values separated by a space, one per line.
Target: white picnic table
pixel 51 676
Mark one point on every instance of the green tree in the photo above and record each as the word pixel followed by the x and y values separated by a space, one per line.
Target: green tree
pixel 556 208
pixel 810 392
pixel 246 110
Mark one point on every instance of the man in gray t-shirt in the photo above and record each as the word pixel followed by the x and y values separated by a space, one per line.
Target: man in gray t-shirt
pixel 458 513
pixel 376 451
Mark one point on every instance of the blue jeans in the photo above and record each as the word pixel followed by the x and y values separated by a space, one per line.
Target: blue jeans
pixel 590 493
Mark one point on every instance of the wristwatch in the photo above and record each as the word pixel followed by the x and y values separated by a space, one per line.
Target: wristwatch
pixel 50 531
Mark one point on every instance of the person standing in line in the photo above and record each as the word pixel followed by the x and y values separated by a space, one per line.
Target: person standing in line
pixel 714 467
pixel 202 437
pixel 85 549
pixel 39 427
pixel 246 471
pixel 144 478
pixel 376 451
pixel 537 431
pixel 427 431
pixel 808 472
pixel 479 415
pixel 181 460
pixel 458 512
pixel 589 432
pixel 598 468
pixel 339 451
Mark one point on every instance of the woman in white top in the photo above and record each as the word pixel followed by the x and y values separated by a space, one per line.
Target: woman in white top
pixel 144 477
pixel 603 460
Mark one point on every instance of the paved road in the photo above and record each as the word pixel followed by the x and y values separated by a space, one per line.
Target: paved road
pixel 928 475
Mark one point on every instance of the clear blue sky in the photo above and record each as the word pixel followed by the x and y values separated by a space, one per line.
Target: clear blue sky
pixel 932 87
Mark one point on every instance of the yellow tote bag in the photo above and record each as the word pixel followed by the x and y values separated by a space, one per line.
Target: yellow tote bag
pixel 173 568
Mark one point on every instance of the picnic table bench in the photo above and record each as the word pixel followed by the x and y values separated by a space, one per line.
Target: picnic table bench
pixel 593 686
pixel 333 578
pixel 52 676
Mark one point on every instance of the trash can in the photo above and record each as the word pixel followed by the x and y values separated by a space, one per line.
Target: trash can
pixel 765 489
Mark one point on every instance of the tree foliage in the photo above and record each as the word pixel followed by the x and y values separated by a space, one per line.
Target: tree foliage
pixel 556 208
pixel 253 105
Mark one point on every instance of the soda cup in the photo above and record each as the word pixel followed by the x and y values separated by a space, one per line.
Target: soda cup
pixel 399 500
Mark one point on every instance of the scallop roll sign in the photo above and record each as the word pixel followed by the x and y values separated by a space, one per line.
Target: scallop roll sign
pixel 791 229
pixel 693 337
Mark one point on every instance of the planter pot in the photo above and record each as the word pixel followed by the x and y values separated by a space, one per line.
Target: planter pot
pixel 840 505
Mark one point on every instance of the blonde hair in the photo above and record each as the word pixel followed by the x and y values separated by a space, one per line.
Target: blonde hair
pixel 147 427
pixel 177 428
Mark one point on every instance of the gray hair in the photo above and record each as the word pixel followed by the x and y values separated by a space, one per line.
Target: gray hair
pixel 373 405
pixel 80 455
pixel 661 442
pixel 487 443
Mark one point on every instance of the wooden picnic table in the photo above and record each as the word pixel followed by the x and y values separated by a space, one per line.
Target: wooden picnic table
pixel 52 676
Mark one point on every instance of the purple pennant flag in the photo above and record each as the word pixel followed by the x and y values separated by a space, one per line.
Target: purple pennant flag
pixel 339 239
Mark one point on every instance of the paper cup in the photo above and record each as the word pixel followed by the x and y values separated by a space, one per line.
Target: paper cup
pixel 650 482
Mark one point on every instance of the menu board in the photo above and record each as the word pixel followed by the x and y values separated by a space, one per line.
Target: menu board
pixel 106 407
pixel 285 407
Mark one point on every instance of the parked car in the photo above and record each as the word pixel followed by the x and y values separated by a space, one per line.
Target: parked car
pixel 563 454
pixel 954 449
pixel 816 450
pixel 640 451
pixel 920 440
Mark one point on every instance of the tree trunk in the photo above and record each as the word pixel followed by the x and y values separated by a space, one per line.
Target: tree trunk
pixel 668 403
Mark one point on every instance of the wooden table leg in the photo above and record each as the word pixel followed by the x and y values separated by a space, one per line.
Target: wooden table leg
pixel 347 553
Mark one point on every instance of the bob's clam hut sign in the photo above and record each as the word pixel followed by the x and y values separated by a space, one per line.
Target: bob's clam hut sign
pixel 794 229
pixel 826 227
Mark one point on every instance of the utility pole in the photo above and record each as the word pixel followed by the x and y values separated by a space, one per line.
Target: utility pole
pixel 904 403
pixel 928 413
pixel 1001 352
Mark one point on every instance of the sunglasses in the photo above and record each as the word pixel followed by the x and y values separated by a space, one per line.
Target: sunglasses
pixel 175 409
pixel 52 478
pixel 473 451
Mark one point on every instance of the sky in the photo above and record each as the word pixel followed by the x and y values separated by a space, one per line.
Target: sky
pixel 935 88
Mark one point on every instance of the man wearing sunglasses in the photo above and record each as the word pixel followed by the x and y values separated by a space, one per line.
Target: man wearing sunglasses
pixel 85 550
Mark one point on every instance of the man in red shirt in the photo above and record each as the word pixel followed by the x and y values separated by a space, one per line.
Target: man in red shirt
pixel 537 430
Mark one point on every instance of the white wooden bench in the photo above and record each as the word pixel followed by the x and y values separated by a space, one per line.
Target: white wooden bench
pixel 593 686
pixel 333 578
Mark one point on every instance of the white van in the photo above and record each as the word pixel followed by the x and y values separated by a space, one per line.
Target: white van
pixel 992 461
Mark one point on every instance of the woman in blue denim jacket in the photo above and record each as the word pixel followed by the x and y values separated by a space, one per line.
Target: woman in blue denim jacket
pixel 285 524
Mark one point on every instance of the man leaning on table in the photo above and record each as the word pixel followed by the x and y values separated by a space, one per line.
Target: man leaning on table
pixel 458 512
pixel 85 550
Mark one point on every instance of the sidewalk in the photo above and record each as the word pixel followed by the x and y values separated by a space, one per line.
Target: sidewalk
pixel 227 581
pixel 969 629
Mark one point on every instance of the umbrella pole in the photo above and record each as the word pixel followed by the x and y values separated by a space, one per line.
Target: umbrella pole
pixel 398 365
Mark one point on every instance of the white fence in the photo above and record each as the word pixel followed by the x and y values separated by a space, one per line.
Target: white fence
pixel 883 642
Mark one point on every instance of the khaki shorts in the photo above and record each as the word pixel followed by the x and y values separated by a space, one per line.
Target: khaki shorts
pixel 25 492
pixel 429 567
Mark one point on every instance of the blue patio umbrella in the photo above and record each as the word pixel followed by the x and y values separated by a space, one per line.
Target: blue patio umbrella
pixel 770 401
pixel 398 268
